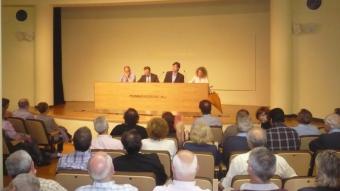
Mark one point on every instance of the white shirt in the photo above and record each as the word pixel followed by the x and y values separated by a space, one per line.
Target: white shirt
pixel 196 79
pixel 107 186
pixel 106 142
pixel 239 166
pixel 177 185
pixel 173 77
pixel 163 145
pixel 259 187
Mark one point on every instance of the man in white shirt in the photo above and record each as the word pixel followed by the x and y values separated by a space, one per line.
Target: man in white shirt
pixel 206 118
pixel 261 167
pixel 104 140
pixel 184 168
pixel 238 166
pixel 101 169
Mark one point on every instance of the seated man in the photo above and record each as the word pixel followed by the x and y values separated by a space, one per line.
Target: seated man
pixel 21 162
pixel 238 166
pixel 305 126
pixel 330 140
pixel 174 76
pixel 101 170
pixel 134 161
pixel 206 118
pixel 128 76
pixel 79 159
pixel 280 137
pixel 23 112
pixel 184 168
pixel 261 167
pixel 104 140
pixel 24 182
pixel 131 118
pixel 148 77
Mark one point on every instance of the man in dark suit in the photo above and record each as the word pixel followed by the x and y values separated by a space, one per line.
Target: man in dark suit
pixel 174 76
pixel 148 77
pixel 134 161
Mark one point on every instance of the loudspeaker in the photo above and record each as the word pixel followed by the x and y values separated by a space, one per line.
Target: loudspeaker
pixel 313 4
pixel 21 15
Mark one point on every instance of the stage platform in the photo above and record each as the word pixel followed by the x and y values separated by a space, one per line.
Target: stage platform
pixel 85 111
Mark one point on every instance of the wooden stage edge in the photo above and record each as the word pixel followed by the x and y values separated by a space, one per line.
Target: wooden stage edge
pixel 85 111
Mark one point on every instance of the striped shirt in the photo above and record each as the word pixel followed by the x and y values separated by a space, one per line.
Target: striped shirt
pixel 74 161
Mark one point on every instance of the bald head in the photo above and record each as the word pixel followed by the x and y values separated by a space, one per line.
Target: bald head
pixel 184 166
pixel 100 167
pixel 23 103
pixel 256 137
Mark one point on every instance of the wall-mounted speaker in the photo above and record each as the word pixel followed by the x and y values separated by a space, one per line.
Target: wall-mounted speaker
pixel 314 4
pixel 21 15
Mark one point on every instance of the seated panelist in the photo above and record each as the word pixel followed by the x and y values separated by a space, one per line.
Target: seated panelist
pixel 148 77
pixel 128 76
pixel 201 76
pixel 174 76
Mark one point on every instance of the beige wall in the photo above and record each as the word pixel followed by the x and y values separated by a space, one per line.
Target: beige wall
pixel 18 55
pixel 316 58
pixel 230 38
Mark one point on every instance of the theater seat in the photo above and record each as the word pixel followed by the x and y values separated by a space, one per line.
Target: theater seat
pixel 295 183
pixel 298 160
pixel 217 134
pixel 18 124
pixel 241 179
pixel 164 157
pixel 305 140
pixel 111 152
pixel 206 165
pixel 204 183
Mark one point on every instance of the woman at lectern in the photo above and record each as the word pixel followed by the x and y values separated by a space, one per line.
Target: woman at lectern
pixel 201 76
pixel 128 76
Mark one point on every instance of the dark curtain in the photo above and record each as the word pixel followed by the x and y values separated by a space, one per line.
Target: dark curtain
pixel 57 61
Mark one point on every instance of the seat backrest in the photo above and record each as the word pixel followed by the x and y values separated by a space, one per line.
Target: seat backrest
pixel 164 157
pixel 144 181
pixel 305 140
pixel 217 133
pixel 71 181
pixel 36 128
pixel 111 152
pixel 295 183
pixel 298 160
pixel 206 165
pixel 18 124
pixel 5 150
pixel 241 179
pixel 204 183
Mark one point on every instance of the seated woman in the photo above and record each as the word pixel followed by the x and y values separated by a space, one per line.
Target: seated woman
pixel 200 141
pixel 52 126
pixel 327 179
pixel 158 129
pixel 262 115
pixel 305 127
pixel 170 120
pixel 201 76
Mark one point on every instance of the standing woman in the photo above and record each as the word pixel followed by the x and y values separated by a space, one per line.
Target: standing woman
pixel 201 76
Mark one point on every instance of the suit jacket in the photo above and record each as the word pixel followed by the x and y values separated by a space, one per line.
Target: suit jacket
pixel 154 78
pixel 179 77
pixel 232 144
pixel 120 129
pixel 326 141
pixel 141 163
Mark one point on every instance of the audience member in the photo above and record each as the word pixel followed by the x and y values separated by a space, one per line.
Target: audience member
pixel 256 138
pixel 101 169
pixel 201 139
pixel 21 162
pixel 79 158
pixel 24 182
pixel 134 161
pixel 131 118
pixel 305 127
pixel 104 140
pixel 158 129
pixel 174 76
pixel 233 130
pixel 128 76
pixel 23 110
pixel 261 167
pixel 337 111
pixel 328 177
pixel 148 77
pixel 170 119
pixel 206 118
pixel 184 168
pixel 237 142
pixel 52 126
pixel 5 105
pixel 280 137
pixel 330 140
pixel 262 115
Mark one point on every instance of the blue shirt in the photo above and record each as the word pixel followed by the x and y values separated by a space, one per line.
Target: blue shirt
pixel 307 129
pixel 208 120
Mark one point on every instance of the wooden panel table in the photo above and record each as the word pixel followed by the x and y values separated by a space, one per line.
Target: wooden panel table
pixel 149 97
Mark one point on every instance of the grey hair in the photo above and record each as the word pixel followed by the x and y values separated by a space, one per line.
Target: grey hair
pixel 244 123
pixel 256 137
pixel 106 169
pixel 100 124
pixel 201 134
pixel 18 162
pixel 26 182
pixel 263 163
pixel 333 120
pixel 328 164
